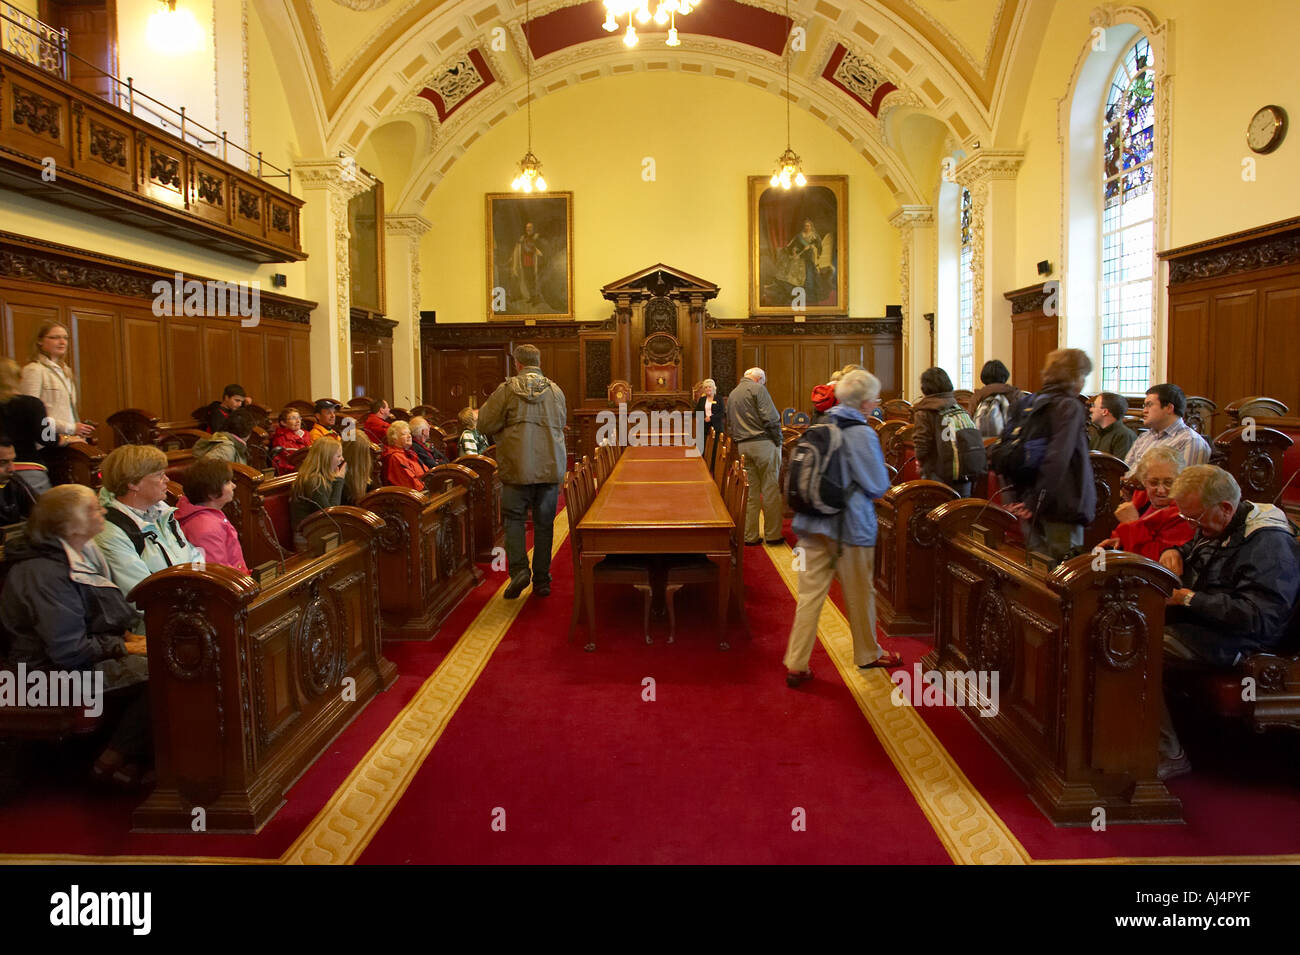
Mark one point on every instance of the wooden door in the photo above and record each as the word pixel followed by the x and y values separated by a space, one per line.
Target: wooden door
pixel 93 357
pixel 92 41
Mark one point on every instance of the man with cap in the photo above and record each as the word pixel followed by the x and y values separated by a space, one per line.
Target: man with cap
pixel 326 410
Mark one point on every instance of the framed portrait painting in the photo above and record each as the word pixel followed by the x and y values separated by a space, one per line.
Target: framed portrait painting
pixel 529 256
pixel 798 247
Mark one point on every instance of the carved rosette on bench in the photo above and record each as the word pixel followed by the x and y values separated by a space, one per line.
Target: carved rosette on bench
pixel 319 645
pixel 1120 629
pixel 991 648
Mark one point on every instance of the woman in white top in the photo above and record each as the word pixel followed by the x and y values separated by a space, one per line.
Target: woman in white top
pixel 49 378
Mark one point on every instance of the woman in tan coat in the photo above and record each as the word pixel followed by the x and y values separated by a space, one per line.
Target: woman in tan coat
pixel 48 377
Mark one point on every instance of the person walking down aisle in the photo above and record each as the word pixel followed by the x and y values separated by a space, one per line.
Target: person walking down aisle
pixel 755 426
pixel 844 545
pixel 525 417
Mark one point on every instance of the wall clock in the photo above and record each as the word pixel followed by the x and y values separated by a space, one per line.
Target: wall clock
pixel 1267 129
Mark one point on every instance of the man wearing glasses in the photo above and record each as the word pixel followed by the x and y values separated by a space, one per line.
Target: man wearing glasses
pixel 1240 575
pixel 1162 413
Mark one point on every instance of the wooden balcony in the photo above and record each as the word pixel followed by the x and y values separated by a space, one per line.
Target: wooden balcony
pixel 112 164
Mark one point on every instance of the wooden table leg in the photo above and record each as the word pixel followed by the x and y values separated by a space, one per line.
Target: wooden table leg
pixel 723 563
pixel 589 562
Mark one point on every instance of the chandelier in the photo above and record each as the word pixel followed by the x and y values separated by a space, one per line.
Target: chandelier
pixel 789 167
pixel 665 12
pixel 530 177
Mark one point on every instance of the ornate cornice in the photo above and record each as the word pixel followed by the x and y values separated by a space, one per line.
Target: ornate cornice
pixel 363 323
pixel 988 164
pixel 1027 299
pixel 827 327
pixel 35 260
pixel 412 224
pixel 906 216
pixel 496 333
pixel 1264 247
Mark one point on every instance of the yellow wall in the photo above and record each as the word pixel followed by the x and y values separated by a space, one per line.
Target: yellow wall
pixel 707 136
pixel 177 81
pixel 29 7
pixel 271 117
pixel 1225 68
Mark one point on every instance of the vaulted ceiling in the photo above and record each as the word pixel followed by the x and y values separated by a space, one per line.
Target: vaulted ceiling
pixel 899 79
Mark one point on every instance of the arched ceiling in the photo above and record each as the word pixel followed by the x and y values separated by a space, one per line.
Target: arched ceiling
pixel 901 80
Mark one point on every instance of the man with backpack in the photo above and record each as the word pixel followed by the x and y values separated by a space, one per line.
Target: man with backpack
pixel 949 448
pixel 836 473
pixel 1045 458
pixel 995 402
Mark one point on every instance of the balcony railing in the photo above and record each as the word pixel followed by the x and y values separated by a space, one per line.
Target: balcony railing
pixel 46 48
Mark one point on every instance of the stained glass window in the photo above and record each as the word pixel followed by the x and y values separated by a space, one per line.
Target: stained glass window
pixel 965 300
pixel 1125 296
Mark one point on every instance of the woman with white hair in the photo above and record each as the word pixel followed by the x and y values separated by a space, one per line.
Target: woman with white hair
pixel 1150 524
pixel 61 611
pixel 398 463
pixel 843 545
pixel 715 416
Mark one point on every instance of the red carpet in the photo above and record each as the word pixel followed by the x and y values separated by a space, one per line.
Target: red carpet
pixel 710 772
pixel 1242 798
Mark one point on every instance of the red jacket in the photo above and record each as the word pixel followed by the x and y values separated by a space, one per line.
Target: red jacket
pixel 1157 530
pixel 401 468
pixel 823 398
pixel 290 441
pixel 376 429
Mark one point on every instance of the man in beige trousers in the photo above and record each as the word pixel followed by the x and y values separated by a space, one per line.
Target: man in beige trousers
pixel 755 426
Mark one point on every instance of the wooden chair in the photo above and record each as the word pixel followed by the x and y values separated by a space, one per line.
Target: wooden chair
pixel 1254 457
pixel 180 438
pixel 680 571
pixel 633 569
pixel 1255 406
pixel 427 412
pixel 897 409
pixel 1200 412
pixel 887 431
pixel 966 399
pixel 133 426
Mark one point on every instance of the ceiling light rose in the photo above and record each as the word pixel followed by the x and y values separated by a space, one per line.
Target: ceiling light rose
pixel 530 177
pixel 789 167
pixel 662 12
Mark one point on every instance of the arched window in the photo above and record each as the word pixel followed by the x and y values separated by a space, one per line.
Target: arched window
pixel 965 299
pixel 1126 286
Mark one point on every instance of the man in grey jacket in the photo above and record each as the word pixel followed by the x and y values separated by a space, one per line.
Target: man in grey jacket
pixel 755 426
pixel 526 416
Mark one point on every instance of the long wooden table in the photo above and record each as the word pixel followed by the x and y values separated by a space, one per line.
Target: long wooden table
pixel 657 501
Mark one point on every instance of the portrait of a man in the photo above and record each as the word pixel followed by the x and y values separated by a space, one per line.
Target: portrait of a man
pixel 529 264
pixel 797 245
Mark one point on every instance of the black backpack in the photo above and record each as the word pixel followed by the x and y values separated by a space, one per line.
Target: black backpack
pixel 138 537
pixel 816 482
pixel 1019 455
pixel 961 446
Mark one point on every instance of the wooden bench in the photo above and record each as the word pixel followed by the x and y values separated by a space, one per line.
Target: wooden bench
pixel 260 512
pixel 1078 654
pixel 425 555
pixel 1254 455
pixel 905 554
pixel 249 685
pixel 486 468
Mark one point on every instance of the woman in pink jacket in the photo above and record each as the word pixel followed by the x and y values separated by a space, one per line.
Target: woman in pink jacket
pixel 208 488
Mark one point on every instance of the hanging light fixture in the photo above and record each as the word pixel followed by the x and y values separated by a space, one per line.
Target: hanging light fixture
pixel 173 32
pixel 665 12
pixel 789 167
pixel 530 177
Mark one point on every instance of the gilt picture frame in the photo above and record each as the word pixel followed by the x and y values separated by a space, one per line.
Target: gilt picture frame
pixel 529 256
pixel 799 247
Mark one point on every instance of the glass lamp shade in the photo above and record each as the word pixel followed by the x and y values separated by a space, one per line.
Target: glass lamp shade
pixel 173 32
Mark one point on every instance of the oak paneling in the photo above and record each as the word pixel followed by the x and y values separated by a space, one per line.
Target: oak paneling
pixel 142 371
pixel 221 360
pixel 182 346
pixel 814 365
pixel 1233 334
pixel 253 373
pixel 781 363
pixel 1279 323
pixel 22 317
pixel 94 345
pixel 300 355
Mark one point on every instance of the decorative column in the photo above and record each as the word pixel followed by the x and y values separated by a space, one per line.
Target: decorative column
pixel 916 263
pixel 990 176
pixel 328 185
pixel 402 296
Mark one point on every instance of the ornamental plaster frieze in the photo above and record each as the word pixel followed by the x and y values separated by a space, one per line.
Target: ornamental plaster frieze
pixel 411 227
pixel 340 182
pixel 361 5
pixel 906 219
pixel 975 173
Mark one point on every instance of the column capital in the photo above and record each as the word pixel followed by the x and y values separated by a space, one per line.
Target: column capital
pixel 340 175
pixel 905 217
pixel 989 164
pixel 411 224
